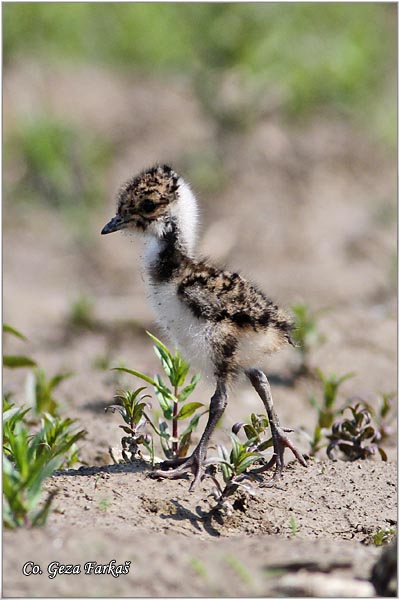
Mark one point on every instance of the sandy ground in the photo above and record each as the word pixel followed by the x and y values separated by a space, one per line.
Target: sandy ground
pixel 307 212
pixel 178 548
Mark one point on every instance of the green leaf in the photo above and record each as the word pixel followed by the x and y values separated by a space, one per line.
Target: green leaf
pixel 127 430
pixel 188 409
pixel 7 414
pixel 250 432
pixel 15 362
pixel 246 462
pixel 136 374
pixel 237 449
pixel 138 412
pixel 185 393
pixel 219 460
pixel 165 360
pixel 265 445
pixel 192 425
pixel 182 370
pixel 226 465
pixel 166 403
pixel 184 444
pixel 159 343
pixel 57 379
pixel 41 516
pixel 13 331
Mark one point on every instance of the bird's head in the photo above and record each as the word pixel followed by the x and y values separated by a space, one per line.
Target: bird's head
pixel 154 202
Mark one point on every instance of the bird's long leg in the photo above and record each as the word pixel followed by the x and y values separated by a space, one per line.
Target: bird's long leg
pixel 280 440
pixel 195 461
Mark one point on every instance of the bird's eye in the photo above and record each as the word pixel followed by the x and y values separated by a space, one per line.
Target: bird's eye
pixel 148 205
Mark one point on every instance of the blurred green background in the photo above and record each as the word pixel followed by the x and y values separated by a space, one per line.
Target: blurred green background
pixel 332 56
pixel 300 60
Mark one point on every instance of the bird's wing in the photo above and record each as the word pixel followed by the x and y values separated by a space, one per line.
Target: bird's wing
pixel 216 295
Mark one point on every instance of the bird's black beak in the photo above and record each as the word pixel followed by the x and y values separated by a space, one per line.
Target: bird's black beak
pixel 115 224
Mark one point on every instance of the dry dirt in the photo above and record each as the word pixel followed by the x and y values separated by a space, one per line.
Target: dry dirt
pixel 308 213
pixel 178 548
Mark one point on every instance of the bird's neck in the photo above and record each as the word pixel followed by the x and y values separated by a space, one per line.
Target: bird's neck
pixel 170 250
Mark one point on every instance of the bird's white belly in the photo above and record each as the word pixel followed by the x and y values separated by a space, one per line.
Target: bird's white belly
pixel 190 335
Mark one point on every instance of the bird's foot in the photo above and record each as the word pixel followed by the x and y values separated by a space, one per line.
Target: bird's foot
pixel 280 442
pixel 179 468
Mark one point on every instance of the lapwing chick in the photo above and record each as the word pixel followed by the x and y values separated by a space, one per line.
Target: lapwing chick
pixel 221 323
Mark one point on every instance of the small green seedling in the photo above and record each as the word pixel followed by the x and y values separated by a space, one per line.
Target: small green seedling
pixel 39 392
pixel 234 465
pixel 11 416
pixel 28 459
pixel 255 432
pixel 383 536
pixel 384 415
pixel 294 528
pixel 326 409
pixel 23 477
pixel 355 437
pixel 305 334
pixel 81 314
pixel 198 567
pixel 104 504
pixel 132 409
pixel 172 400
pixel 16 361
pixel 58 437
pixel 36 441
pixel 239 568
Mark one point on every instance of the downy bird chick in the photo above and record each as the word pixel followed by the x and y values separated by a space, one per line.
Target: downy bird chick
pixel 219 321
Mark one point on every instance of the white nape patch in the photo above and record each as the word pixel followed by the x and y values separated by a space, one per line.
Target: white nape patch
pixel 185 210
pixel 188 334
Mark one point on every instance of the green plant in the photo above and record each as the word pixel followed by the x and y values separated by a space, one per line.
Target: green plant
pixel 59 164
pixel 384 415
pixel 33 449
pixel 355 437
pixel 305 334
pixel 239 568
pixel 198 567
pixel 339 58
pixel 11 416
pixel 24 471
pixel 233 465
pixel 101 362
pixel 131 408
pixel 294 528
pixel 28 458
pixel 172 400
pixel 81 314
pixel 104 504
pixel 255 432
pixel 326 409
pixel 383 536
pixel 39 391
pixel 57 437
pixel 16 361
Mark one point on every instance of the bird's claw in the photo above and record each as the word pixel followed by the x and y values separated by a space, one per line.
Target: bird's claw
pixel 192 462
pixel 281 442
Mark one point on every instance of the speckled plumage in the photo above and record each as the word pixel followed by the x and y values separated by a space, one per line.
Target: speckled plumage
pixel 220 321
